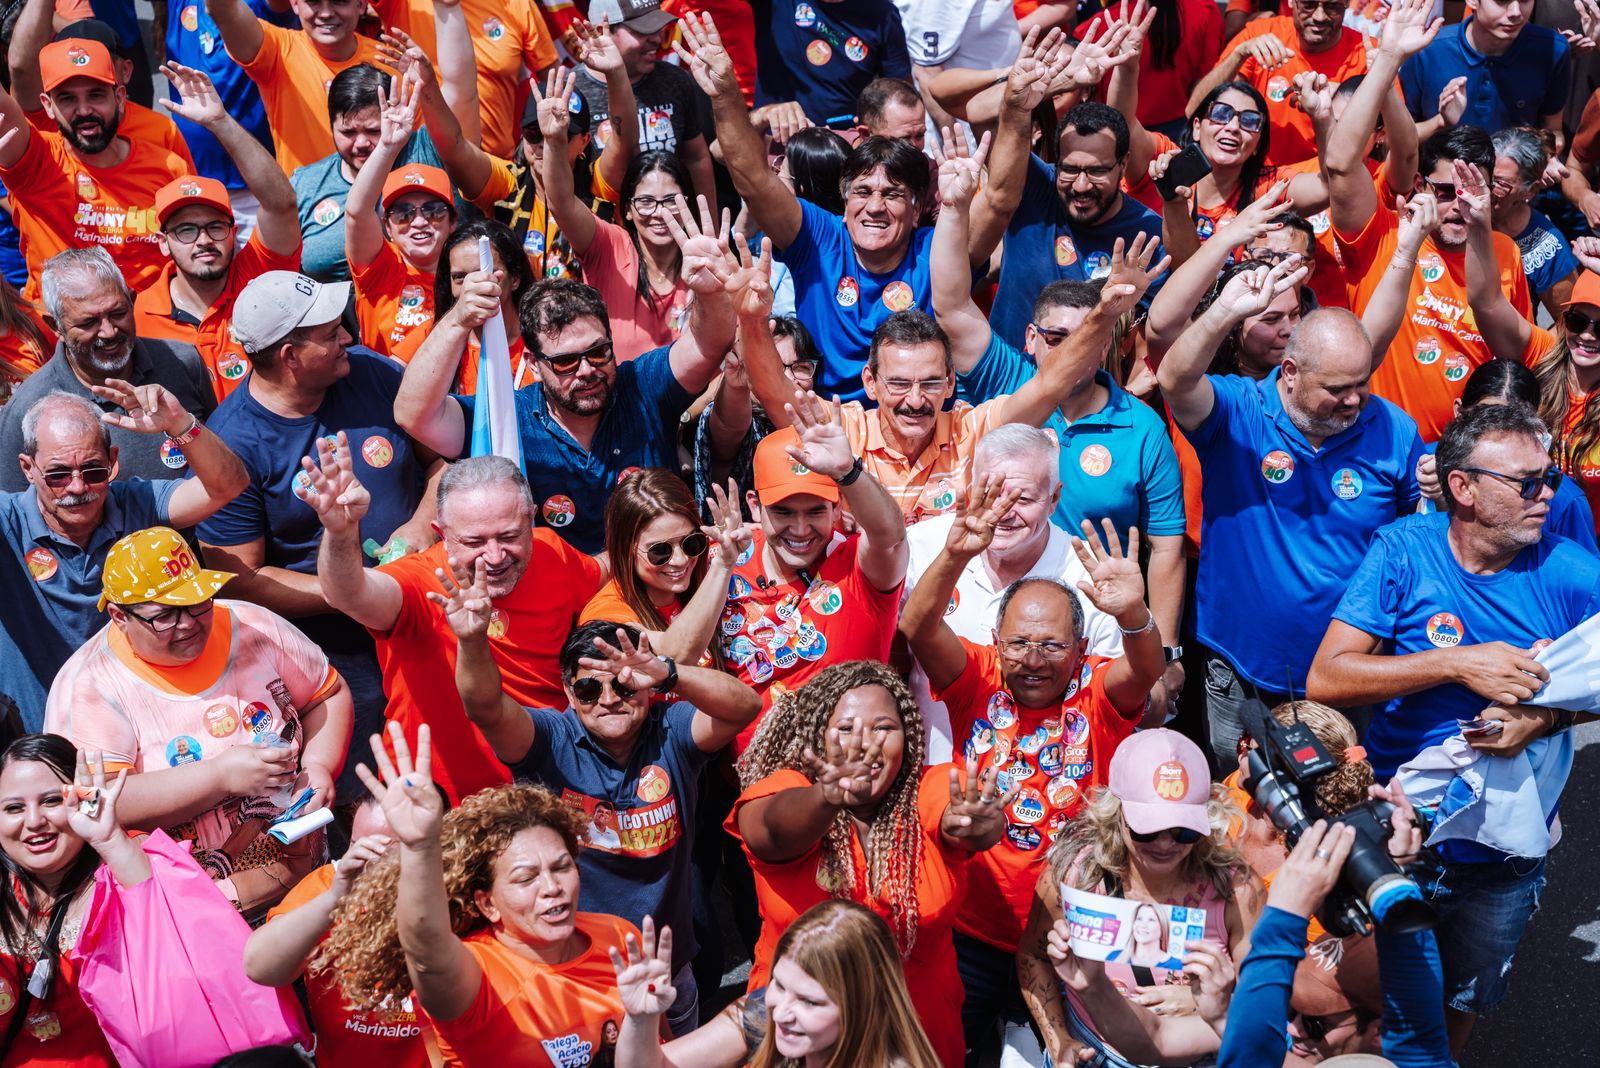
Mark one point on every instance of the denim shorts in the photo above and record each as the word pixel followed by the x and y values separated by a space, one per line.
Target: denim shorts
pixel 1483 911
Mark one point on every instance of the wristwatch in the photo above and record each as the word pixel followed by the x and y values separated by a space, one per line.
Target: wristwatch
pixel 671 681
pixel 187 436
pixel 1172 652
pixel 850 476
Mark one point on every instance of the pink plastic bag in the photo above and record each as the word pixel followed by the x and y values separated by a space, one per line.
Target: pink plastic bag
pixel 162 969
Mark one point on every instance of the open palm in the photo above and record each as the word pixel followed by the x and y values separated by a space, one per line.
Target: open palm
pixel 1115 582
pixel 405 790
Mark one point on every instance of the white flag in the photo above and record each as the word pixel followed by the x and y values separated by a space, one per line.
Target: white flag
pixel 494 416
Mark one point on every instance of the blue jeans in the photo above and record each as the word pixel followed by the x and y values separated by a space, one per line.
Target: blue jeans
pixel 684 1016
pixel 1483 910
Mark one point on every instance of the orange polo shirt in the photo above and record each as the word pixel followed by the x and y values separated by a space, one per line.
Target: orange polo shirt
pixel 225 358
pixel 393 300
pixel 59 202
pixel 1292 137
pixel 932 482
pixel 293 78
pixel 139 123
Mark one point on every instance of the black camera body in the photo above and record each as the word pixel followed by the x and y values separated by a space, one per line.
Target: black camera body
pixel 1372 889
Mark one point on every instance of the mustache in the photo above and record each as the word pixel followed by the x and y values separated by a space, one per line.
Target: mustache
pixel 923 410
pixel 75 500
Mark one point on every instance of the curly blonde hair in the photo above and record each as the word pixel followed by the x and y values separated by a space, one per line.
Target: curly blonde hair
pixel 798 721
pixel 1095 845
pixel 363 948
pixel 1345 787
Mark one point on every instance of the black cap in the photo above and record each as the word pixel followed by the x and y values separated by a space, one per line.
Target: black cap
pixel 579 118
pixel 90 30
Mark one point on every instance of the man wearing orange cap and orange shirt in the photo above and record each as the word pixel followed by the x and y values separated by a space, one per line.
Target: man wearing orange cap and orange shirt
pixel 84 185
pixel 193 298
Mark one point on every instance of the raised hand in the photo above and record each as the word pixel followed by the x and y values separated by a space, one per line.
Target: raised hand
pixel 1585 39
pixel 1453 101
pixel 1158 170
pixel 199 101
pixel 699 46
pixel 1040 63
pixel 987 502
pixel 410 803
pixel 824 446
pixel 785 119
pixel 597 49
pixel 465 601
pixel 644 974
pixel 1131 269
pixel 362 852
pixel 751 285
pixel 330 487
pixel 151 408
pixel 1408 28
pixel 1260 216
pixel 1250 292
pixel 1314 94
pixel 708 263
pixel 398 111
pixel 633 666
pixel 1138 19
pixel 1473 193
pixel 1587 250
pixel 555 102
pixel 1115 584
pixel 960 167
pixel 1419 217
pixel 844 773
pixel 1095 55
pixel 727 529
pixel 88 806
pixel 977 810
pixel 1267 50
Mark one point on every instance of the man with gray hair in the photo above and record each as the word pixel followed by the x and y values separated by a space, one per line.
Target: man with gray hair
pixel 90 308
pixel 537 585
pixel 57 530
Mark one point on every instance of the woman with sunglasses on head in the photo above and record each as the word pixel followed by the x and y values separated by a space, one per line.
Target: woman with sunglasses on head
pixel 662 578
pixel 1161 832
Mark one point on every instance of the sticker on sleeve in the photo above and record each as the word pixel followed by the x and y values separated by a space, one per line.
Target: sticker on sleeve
pixel 327 212
pixel 1066 251
pixel 847 292
pixel 1431 266
pixel 182 750
pixel 190 18
pixel 1445 630
pixel 172 456
pixel 559 511
pixel 1277 467
pixel 856 49
pixel 897 296
pixel 818 53
pixel 805 16
pixel 221 720
pixel 826 598
pixel 1346 484
pixel 497 624
pixel 1455 367
pixel 42 564
pixel 1428 351
pixel 1170 780
pixel 1277 88
pixel 1095 460
pixel 377 451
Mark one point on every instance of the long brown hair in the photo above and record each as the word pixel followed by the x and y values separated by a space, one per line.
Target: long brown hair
pixel 19 317
pixel 847 950
pixel 1557 384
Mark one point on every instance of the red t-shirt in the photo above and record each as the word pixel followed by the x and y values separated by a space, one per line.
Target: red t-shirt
pixel 1057 754
pixel 526 632
pixel 786 890
pixel 1293 139
pixel 60 1031
pixel 777 635
pixel 1164 91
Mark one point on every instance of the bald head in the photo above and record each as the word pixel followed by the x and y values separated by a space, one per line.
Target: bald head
pixel 1325 373
pixel 1331 341
pixel 64 416
pixel 1040 600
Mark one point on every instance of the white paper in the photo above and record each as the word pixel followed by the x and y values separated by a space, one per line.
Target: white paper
pixel 290 831
pixel 1131 932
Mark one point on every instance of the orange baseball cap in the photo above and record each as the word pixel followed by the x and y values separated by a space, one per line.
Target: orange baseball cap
pixel 1586 290
pixel 192 189
pixel 76 58
pixel 156 565
pixel 417 178
pixel 778 476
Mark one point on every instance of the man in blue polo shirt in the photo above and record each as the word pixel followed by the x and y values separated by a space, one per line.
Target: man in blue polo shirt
pixel 1443 618
pixel 1070 214
pixel 1301 468
pixel 59 528
pixel 1516 74
pixel 631 766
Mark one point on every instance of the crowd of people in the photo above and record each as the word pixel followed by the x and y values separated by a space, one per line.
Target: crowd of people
pixel 701 533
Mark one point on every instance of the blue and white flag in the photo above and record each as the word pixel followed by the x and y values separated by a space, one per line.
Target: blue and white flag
pixel 1573 661
pixel 494 416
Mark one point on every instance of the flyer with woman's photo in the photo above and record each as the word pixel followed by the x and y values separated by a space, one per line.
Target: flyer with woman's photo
pixel 1137 933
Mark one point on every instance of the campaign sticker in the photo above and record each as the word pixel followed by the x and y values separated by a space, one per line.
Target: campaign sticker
pixel 787 606
pixel 784 657
pixel 190 18
pixel 1079 771
pixel 1346 484
pixel 327 212
pixel 741 650
pixel 1428 351
pixel 493 29
pixel 982 736
pixel 1019 768
pixel 377 451
pixel 1002 710
pixel 766 632
pixel 738 586
pixel 954 603
pixel 1277 466
pixel 1277 89
pixel 233 367
pixel 1320 223
pixel 1431 265
pixel 42 564
pixel 745 554
pixel 1066 251
pixel 86 187
pixel 1445 630
pixel 1098 264
pixel 847 292
pixel 257 717
pixel 1204 227
pixel 1023 837
pixel 818 53
pixel 1033 742
pixel 897 296
pixel 825 598
pixel 1052 729
pixel 760 667
pixel 654 783
pixel 182 750
pixel 1001 753
pixel 1028 807
pixel 559 511
pixel 497 624
pixel 8 997
pixel 1062 791
pixel 1075 726
pixel 1455 367
pixel 1057 824
pixel 732 621
pixel 1170 780
pixel 856 49
pixel 805 16
pixel 813 646
pixel 1051 757
pixel 1095 460
pixel 533 243
pixel 221 720
pixel 172 456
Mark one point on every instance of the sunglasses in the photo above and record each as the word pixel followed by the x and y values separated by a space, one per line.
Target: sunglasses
pixel 691 544
pixel 588 690
pixel 1443 192
pixel 433 211
pixel 1181 835
pixel 92 476
pixel 1249 121
pixel 1575 322
pixel 564 363
pixel 1527 488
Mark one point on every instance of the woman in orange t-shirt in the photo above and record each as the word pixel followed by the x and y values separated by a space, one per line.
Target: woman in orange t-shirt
pixel 25 341
pixel 1221 126
pixel 1568 370
pixel 864 823
pixel 479 917
pixel 663 580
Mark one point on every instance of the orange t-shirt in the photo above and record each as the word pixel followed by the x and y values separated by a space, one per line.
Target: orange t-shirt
pixel 59 202
pixel 1057 755
pixel 345 1036
pixel 526 632
pixel 20 357
pixel 1329 281
pixel 609 606
pixel 293 78
pixel 1585 469
pixel 393 299
pixel 466 383
pixel 532 1015
pixel 1438 344
pixel 139 123
pixel 1293 139
pixel 225 358
pixel 784 891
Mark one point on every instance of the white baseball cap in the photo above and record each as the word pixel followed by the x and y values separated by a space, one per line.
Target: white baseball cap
pixel 273 304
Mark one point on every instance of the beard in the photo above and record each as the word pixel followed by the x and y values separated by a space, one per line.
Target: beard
pixel 91 144
pixel 586 405
pixel 105 360
pixel 1096 210
pixel 210 272
pixel 1312 427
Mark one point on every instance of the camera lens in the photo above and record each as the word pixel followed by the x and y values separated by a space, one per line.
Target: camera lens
pixel 1397 905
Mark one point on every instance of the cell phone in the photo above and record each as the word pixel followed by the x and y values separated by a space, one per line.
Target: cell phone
pixel 1185 169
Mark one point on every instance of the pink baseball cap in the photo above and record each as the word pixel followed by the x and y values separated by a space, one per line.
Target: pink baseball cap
pixel 1163 781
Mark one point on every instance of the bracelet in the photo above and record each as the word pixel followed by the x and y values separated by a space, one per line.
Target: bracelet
pixel 1561 719
pixel 1149 625
pixel 850 476
pixel 1404 266
pixel 187 436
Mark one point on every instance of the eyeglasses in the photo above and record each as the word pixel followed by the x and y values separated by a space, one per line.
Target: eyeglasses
pixel 1443 192
pixel 1017 648
pixel 1575 322
pixel 692 545
pixel 801 369
pixel 1249 121
pixel 588 690
pixel 188 233
pixel 565 363
pixel 1181 835
pixel 1053 335
pixel 1270 256
pixel 899 387
pixel 650 205
pixel 433 211
pixel 1527 488
pixel 1069 175
pixel 1327 7
pixel 92 476
pixel 166 619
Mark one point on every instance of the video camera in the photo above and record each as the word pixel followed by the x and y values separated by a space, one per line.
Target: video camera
pixel 1282 772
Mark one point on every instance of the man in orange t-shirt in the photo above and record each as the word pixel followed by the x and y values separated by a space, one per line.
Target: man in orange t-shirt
pixel 84 185
pixel 293 68
pixel 192 300
pixel 537 585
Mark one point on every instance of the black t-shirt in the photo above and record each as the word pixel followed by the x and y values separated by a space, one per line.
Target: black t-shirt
pixel 672 109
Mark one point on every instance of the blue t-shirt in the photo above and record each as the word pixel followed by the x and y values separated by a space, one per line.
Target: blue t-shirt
pixel 1043 245
pixel 1570 516
pixel 841 303
pixel 1530 80
pixel 1286 525
pixel 823 54
pixel 637 859
pixel 271 446
pixel 571 484
pixel 194 41
pixel 1410 592
pixel 51 587
pixel 1546 256
pixel 1116 463
pixel 12 266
